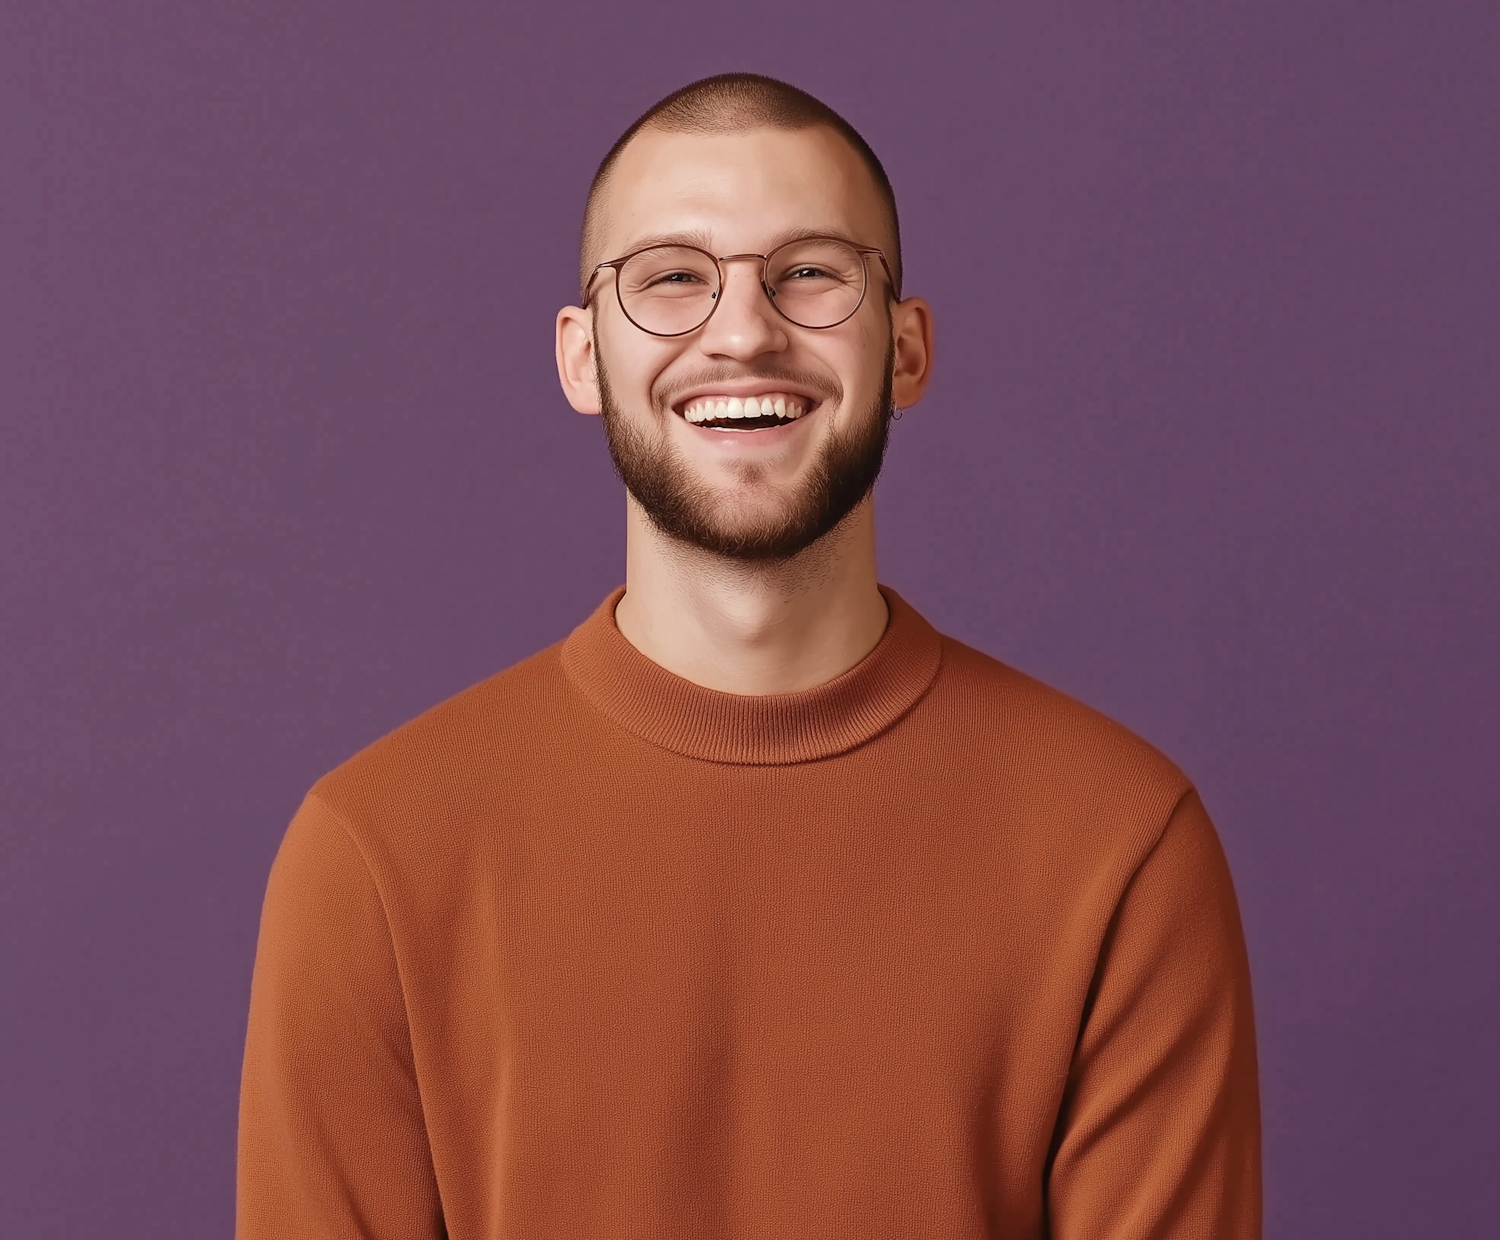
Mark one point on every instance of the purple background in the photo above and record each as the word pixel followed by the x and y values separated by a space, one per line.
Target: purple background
pixel 1212 445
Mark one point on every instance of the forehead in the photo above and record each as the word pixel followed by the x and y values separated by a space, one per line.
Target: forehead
pixel 739 191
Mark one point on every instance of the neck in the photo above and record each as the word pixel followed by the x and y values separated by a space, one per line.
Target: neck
pixel 753 628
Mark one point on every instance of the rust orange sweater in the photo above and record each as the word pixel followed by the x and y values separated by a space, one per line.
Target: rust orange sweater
pixel 590 952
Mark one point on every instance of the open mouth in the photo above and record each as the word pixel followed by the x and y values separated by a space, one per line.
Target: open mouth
pixel 745 413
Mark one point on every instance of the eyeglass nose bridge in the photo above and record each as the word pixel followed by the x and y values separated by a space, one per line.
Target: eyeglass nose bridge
pixel 763 259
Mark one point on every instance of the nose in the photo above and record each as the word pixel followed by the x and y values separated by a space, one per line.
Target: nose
pixel 744 325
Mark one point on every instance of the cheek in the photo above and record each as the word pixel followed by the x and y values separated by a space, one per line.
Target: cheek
pixel 863 363
pixel 632 364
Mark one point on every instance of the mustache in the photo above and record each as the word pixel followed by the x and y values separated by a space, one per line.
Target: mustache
pixel 825 388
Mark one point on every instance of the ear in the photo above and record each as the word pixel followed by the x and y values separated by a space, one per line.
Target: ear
pixel 911 332
pixel 576 369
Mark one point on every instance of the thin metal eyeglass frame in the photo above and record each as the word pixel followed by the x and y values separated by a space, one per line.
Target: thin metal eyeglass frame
pixel 864 252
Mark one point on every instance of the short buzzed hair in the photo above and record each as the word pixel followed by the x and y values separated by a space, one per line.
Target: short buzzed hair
pixel 733 103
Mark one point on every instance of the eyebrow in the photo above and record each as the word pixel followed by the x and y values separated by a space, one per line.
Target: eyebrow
pixel 703 241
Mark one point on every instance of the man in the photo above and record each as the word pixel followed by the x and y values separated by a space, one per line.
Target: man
pixel 755 908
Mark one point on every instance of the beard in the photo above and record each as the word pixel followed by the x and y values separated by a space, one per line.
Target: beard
pixel 692 512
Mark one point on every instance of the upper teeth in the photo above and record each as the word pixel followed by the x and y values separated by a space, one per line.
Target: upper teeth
pixel 711 408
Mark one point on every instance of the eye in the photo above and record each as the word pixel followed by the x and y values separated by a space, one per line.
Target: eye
pixel 669 278
pixel 807 272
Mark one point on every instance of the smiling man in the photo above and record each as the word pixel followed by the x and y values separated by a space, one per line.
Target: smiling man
pixel 754 908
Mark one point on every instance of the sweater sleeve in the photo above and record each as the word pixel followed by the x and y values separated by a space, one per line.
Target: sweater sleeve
pixel 1159 1134
pixel 331 1138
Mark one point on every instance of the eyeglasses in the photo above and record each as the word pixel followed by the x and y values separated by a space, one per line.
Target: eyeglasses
pixel 671 290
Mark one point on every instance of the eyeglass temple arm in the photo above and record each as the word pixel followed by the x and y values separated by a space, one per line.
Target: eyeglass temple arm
pixel 890 277
pixel 594 275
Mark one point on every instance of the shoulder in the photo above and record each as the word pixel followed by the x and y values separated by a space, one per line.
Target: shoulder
pixel 988 697
pixel 1050 752
pixel 454 753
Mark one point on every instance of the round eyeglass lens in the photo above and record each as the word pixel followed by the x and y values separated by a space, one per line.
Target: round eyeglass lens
pixel 668 289
pixel 818 282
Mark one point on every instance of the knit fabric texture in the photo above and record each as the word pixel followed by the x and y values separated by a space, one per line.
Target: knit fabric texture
pixel 589 952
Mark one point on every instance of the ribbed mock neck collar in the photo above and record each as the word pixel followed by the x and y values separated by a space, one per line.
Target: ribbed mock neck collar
pixel 775 729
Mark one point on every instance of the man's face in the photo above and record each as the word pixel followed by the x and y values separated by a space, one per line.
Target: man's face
pixel 761 493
